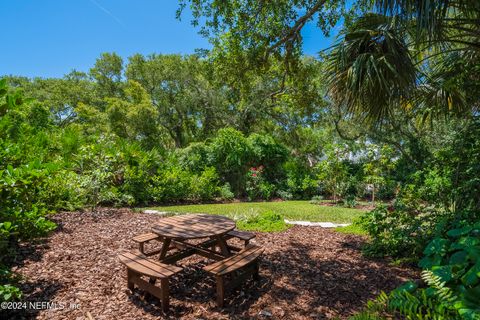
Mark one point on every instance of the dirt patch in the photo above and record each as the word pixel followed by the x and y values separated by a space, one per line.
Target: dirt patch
pixel 306 273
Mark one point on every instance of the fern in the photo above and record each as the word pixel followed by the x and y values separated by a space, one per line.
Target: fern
pixel 444 294
pixel 409 302
pixel 452 281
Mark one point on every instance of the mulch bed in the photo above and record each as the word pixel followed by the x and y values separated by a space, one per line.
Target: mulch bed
pixel 306 273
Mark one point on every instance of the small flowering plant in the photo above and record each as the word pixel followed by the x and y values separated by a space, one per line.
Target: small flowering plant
pixel 254 180
pixel 256 186
pixel 255 171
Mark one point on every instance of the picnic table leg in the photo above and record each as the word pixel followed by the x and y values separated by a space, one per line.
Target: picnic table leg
pixel 220 291
pixel 213 247
pixel 256 274
pixel 223 246
pixel 165 296
pixel 166 246
pixel 130 276
pixel 152 281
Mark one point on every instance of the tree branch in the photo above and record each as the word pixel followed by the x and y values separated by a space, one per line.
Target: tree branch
pixel 297 27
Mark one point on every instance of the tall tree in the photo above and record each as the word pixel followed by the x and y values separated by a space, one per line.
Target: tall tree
pixel 107 73
pixel 188 104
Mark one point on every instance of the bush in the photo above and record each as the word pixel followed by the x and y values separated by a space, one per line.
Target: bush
pixel 284 195
pixel 63 190
pixel 453 258
pixel 451 280
pixel 257 187
pixel 170 184
pixel 226 193
pixel 350 202
pixel 195 157
pixel 205 186
pixel 22 213
pixel 317 199
pixel 268 221
pixel 137 182
pixel 267 190
pixel 8 291
pixel 300 181
pixel 399 231
pixel 19 189
pixel 230 152
pixel 270 154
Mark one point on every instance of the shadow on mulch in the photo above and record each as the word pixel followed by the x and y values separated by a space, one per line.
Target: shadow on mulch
pixel 330 283
pixel 333 284
pixel 193 287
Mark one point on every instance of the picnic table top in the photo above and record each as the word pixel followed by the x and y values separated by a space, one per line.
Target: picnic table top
pixel 193 226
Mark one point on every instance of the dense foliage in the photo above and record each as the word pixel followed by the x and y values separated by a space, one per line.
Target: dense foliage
pixel 405 73
pixel 161 130
pixel 389 115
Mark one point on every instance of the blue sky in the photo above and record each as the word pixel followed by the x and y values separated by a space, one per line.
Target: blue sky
pixel 48 38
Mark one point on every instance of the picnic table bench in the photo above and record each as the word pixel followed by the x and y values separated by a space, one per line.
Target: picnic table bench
pixel 145 238
pixel 242 235
pixel 238 266
pixel 139 265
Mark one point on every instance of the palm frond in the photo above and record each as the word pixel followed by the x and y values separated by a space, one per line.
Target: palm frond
pixel 371 67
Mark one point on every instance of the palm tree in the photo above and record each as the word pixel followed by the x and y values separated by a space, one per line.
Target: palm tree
pixel 410 54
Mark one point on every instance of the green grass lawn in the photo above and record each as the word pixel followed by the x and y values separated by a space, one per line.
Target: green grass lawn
pixel 291 210
pixel 352 229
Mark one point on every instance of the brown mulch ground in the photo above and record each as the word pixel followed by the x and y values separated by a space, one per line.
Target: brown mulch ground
pixel 306 273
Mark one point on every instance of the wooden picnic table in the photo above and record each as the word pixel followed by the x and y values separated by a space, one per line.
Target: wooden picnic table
pixel 175 234
pixel 176 231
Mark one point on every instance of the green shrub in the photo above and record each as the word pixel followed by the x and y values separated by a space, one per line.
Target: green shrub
pixel 257 187
pixel 270 154
pixel 453 259
pixel 436 300
pixel 267 190
pixel 137 183
pixel 195 157
pixel 284 195
pixel 8 291
pixel 19 189
pixel 317 199
pixel 350 202
pixel 136 177
pixel 231 154
pixel 268 221
pixel 62 190
pixel 300 181
pixel 398 231
pixel 205 185
pixel 226 193
pixel 171 184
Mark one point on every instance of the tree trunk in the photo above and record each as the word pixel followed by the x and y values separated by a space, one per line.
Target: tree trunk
pixel 373 193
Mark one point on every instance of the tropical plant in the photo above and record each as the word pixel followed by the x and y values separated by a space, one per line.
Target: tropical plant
pixel 333 172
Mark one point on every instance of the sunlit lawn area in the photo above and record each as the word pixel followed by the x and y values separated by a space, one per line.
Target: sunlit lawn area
pixel 291 210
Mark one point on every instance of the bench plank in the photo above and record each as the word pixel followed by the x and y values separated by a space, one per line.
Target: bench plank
pixel 146 237
pixel 242 258
pixel 246 236
pixel 148 267
pixel 138 265
pixel 245 261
